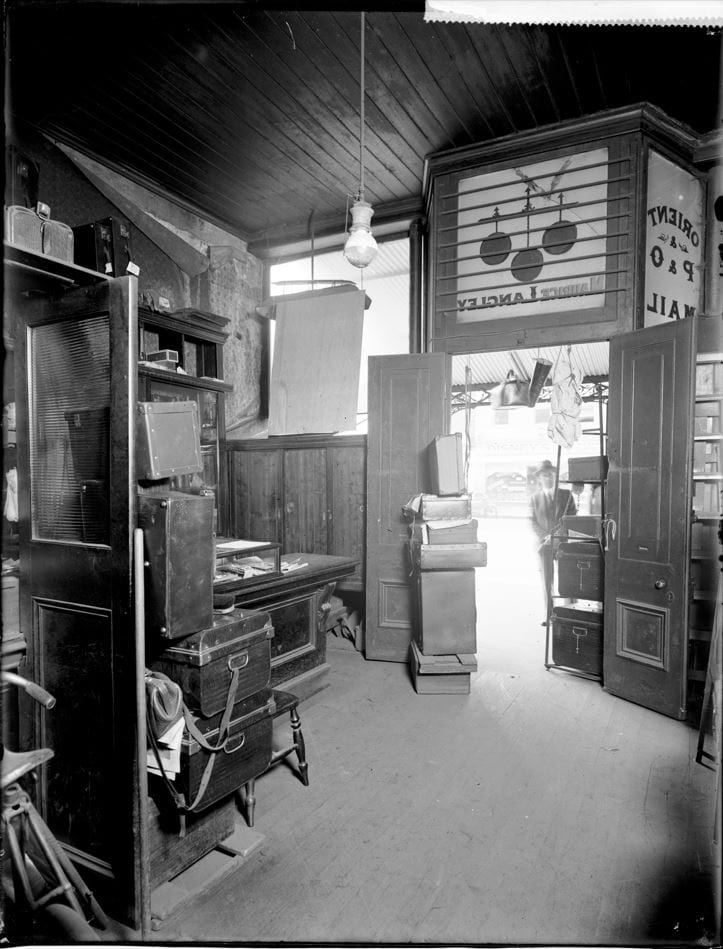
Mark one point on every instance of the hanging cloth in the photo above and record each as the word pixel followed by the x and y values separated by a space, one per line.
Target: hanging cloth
pixel 565 402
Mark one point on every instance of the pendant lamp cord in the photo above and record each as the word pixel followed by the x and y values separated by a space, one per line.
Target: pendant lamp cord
pixel 361 112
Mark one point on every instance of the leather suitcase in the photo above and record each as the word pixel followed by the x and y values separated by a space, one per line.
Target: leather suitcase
pixel 179 549
pixel 246 753
pixel 446 622
pixel 434 508
pixel 435 675
pixel 32 229
pixel 446 464
pixel 203 663
pixel 582 525
pixel 580 570
pixel 439 533
pixel 577 639
pixel 449 556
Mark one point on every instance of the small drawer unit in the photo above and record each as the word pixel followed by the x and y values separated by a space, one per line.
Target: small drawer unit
pixel 580 570
pixel 204 663
pixel 577 639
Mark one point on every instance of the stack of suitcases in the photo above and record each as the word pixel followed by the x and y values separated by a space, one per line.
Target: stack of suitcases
pixel 222 662
pixel 445 552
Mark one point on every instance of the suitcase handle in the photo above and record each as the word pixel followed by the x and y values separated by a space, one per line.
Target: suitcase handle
pixel 234 742
pixel 239 661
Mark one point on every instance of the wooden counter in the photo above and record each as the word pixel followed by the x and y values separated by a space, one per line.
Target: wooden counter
pixel 298 603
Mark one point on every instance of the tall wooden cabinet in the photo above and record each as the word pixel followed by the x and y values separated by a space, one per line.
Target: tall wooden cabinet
pixel 707 510
pixel 304 492
pixel 198 338
pixel 77 335
pixel 75 339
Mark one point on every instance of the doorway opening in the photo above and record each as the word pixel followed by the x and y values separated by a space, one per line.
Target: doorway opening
pixel 504 449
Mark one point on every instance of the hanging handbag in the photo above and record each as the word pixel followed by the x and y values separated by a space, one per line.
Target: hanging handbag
pixel 164 703
pixel 509 393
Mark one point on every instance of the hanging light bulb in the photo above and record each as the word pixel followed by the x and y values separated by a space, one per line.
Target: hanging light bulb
pixel 361 248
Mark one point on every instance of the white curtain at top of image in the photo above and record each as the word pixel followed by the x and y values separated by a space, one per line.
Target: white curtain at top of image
pixel 565 402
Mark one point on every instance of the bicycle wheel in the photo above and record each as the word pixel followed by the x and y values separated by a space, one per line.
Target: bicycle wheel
pixel 68 925
pixel 60 922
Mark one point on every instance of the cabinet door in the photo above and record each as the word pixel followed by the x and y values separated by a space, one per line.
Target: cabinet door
pixel 305 504
pixel 255 479
pixel 347 481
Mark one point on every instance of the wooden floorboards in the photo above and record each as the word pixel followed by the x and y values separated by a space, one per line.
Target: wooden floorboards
pixel 536 810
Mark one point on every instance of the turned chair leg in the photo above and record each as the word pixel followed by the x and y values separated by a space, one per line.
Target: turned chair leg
pixel 250 801
pixel 298 738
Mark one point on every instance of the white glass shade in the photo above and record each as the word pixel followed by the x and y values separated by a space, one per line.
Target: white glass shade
pixel 360 248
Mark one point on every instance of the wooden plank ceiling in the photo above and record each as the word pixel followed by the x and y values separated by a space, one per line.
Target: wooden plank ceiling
pixel 249 114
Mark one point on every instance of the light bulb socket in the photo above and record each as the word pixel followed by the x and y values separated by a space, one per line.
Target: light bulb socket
pixel 360 248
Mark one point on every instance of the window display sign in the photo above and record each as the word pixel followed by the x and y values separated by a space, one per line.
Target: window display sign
pixel 674 242
pixel 532 239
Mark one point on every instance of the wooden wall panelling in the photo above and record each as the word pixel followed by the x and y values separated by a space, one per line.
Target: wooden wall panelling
pixel 346 466
pixel 305 501
pixel 305 492
pixel 256 490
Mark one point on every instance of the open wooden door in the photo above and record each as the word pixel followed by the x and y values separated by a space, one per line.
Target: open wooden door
pixel 408 408
pixel 648 510
pixel 76 386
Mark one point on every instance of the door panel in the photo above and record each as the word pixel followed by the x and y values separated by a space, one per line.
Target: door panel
pixel 305 500
pixel 256 493
pixel 646 575
pixel 347 504
pixel 76 389
pixel 407 409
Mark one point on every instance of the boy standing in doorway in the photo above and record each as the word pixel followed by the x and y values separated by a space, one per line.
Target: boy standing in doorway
pixel 546 512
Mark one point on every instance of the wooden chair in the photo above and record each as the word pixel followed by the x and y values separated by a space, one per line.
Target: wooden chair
pixel 284 702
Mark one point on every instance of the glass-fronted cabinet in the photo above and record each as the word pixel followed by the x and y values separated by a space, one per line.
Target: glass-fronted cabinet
pixel 197 339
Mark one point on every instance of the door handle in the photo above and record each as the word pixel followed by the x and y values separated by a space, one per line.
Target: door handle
pixel 609 529
pixel 660 584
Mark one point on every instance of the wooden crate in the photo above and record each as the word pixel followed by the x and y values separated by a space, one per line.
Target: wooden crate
pixel 441 674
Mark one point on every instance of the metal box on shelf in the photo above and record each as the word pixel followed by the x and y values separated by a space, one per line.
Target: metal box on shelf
pixel 104 246
pixel 179 550
pixel 204 663
pixel 168 440
pixel 577 639
pixel 446 612
pixel 580 570
pixel 590 468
